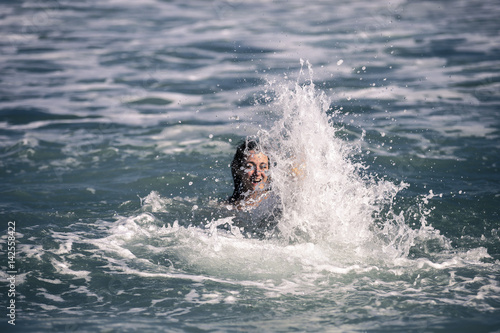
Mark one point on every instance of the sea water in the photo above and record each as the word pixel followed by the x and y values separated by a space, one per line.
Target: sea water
pixel 118 122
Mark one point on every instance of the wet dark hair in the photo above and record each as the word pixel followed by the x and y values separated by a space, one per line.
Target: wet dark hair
pixel 238 163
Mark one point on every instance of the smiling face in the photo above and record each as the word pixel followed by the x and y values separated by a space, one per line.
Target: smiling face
pixel 254 171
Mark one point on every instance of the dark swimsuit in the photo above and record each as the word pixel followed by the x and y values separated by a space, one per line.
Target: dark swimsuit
pixel 260 220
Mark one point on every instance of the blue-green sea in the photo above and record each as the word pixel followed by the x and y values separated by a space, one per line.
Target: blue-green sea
pixel 119 120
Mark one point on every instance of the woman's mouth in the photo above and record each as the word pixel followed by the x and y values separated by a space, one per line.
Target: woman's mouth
pixel 257 181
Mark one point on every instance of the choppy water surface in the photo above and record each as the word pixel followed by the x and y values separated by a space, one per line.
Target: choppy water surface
pixel 118 121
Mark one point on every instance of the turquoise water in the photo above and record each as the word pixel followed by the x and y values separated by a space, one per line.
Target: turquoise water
pixel 118 121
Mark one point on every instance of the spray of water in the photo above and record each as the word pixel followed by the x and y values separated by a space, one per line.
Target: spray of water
pixel 327 197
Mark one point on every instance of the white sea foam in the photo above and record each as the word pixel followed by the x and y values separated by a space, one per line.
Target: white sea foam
pixel 64 267
pixel 55 298
pixel 274 268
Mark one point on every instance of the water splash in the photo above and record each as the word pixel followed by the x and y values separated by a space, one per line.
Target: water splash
pixel 327 197
pixel 336 216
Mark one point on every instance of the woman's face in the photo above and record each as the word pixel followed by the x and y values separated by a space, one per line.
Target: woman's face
pixel 254 173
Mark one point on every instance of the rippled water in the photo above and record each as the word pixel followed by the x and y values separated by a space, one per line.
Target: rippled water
pixel 118 120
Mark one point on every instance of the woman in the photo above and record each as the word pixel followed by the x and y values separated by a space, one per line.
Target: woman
pixel 250 168
pixel 257 207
